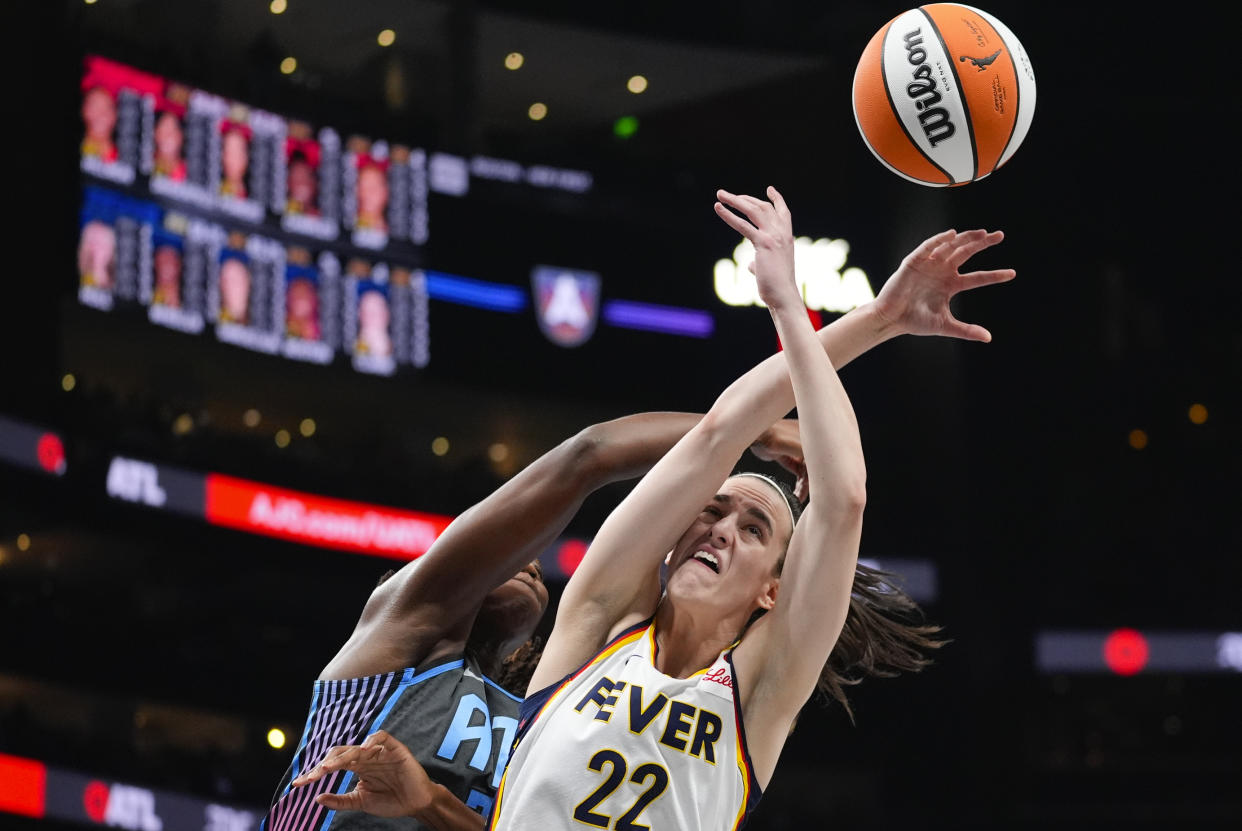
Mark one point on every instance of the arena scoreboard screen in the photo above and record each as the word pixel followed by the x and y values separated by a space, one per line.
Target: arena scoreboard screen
pixel 270 234
pixel 217 219
pixel 308 241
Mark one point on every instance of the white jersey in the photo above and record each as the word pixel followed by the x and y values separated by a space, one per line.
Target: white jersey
pixel 620 745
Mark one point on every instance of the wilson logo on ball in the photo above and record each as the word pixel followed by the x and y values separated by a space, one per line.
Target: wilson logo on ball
pixel 943 94
pixel 936 123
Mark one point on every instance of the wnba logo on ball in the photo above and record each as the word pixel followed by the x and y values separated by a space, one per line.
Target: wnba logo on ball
pixel 934 120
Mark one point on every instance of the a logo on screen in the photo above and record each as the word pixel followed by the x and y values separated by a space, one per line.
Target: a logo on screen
pixel 566 303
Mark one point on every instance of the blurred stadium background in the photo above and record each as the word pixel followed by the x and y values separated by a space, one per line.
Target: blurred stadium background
pixel 1064 500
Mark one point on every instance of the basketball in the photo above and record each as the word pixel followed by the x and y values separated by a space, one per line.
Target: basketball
pixel 944 94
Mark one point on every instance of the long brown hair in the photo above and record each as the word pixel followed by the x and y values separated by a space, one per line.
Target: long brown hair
pixel 884 635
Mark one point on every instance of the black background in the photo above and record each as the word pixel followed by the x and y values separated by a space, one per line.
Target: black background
pixel 1006 464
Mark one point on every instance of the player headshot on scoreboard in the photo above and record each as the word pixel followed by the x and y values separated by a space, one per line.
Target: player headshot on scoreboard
pixel 99 117
pixel 97 255
pixel 169 142
pixel 234 159
pixel 302 178
pixel 372 195
pixel 374 316
pixel 302 304
pixel 235 285
pixel 166 264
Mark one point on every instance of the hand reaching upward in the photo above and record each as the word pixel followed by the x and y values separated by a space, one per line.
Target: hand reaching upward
pixel 770 230
pixel 916 297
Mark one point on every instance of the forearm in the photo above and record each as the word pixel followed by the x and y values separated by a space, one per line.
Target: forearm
pixel 823 552
pixel 766 393
pixel 514 524
pixel 855 333
pixel 832 448
pixel 492 540
pixel 788 643
pixel 448 813
pixel 627 447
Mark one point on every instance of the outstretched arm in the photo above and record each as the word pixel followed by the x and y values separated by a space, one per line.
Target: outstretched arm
pixel 407 617
pixel 783 653
pixel 780 655
pixel 617 583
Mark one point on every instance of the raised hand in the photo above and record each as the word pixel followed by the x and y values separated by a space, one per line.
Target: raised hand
pixel 391 782
pixel 915 299
pixel 770 230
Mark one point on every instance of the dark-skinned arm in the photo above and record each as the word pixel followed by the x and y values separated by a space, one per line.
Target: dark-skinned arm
pixel 410 615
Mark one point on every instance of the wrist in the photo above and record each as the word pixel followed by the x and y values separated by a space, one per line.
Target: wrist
pixel 446 812
pixel 431 805
pixel 879 325
pixel 786 303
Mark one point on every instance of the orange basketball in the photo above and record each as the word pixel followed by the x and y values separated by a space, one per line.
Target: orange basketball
pixel 944 94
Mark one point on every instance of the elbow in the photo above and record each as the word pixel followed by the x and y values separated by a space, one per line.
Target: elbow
pixel 854 490
pixel 846 499
pixel 585 459
pixel 854 499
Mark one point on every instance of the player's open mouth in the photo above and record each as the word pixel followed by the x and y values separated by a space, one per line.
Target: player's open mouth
pixel 708 559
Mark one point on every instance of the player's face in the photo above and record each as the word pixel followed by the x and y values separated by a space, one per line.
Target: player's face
pixel 302 183
pixel 372 191
pixel 373 311
pixel 99 113
pixel 234 156
pixel 301 301
pixel 168 274
pixel 728 555
pixel 235 288
pixel 95 253
pixel 168 137
pixel 516 606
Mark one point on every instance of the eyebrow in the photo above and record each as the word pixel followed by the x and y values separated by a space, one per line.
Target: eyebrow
pixel 751 510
